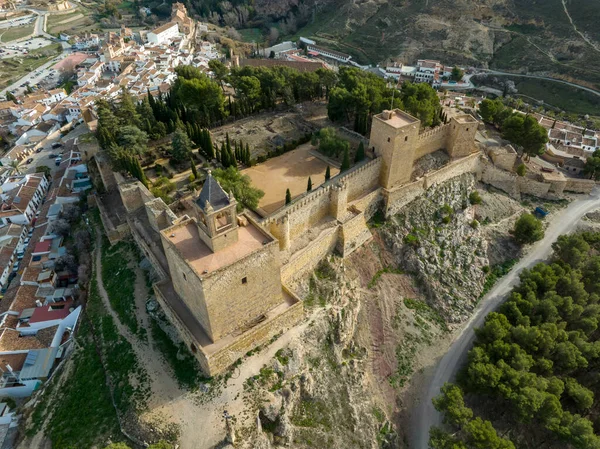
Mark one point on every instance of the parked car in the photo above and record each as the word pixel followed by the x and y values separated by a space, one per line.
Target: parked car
pixel 57 145
pixel 39 150
pixel 52 156
pixel 29 161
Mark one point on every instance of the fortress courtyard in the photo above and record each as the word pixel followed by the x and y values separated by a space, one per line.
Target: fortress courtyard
pixel 288 171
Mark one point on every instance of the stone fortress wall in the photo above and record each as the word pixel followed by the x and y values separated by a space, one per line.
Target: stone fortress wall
pixel 333 218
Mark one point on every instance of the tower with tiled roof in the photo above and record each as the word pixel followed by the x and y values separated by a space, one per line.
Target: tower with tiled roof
pixel 216 214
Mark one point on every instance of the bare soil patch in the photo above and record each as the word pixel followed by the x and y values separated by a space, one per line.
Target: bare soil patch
pixel 288 171
pixel 267 131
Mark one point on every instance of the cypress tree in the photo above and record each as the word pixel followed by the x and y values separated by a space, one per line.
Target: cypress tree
pixel 327 174
pixel 209 145
pixel 194 169
pixel 232 160
pixel 360 153
pixel 247 161
pixel 224 155
pixel 309 185
pixel 227 143
pixel 288 196
pixel 346 161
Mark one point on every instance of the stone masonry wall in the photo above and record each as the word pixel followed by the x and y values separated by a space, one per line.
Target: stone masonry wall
pixel 258 335
pixel 182 329
pixel 453 169
pixel 253 286
pixel 314 206
pixel 432 140
pixel 580 185
pixel 309 257
pixel 353 234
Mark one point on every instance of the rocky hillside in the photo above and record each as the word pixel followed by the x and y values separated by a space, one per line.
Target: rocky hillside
pixel 516 35
pixel 375 320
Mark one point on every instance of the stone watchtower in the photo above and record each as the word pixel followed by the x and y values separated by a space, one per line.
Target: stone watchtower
pixel 394 137
pixel 461 140
pixel 216 214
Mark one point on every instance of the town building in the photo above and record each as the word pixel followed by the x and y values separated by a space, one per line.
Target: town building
pixel 164 34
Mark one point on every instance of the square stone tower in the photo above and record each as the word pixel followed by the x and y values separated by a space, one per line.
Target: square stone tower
pixel 394 137
pixel 461 140
pixel 225 268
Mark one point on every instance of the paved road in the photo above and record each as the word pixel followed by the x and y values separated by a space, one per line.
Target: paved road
pixel 425 415
pixel 587 89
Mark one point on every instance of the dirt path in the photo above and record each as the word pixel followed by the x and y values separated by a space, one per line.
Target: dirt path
pixel 163 386
pixel 583 36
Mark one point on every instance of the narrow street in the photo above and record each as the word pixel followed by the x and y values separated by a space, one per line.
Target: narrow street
pixel 425 415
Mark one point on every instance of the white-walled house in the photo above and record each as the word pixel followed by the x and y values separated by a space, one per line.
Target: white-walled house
pixel 163 34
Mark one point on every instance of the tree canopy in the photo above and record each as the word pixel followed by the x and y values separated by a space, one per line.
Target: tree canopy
pixel 234 181
pixel 522 130
pixel 528 229
pixel 359 95
pixel 535 361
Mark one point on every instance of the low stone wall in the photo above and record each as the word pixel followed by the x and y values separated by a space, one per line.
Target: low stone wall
pixel 147 251
pixel 114 234
pixel 468 164
pixel 257 336
pixel 579 185
pixel 308 258
pixel 399 197
pixel 501 179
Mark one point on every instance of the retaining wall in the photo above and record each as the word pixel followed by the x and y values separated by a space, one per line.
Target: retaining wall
pixel 309 257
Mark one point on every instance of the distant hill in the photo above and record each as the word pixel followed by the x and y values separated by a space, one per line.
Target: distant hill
pixel 515 35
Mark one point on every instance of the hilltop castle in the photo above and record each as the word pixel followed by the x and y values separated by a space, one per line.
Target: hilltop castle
pixel 225 276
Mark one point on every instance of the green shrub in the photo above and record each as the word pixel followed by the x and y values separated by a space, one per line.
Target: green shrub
pixel 475 198
pixel 474 224
pixel 521 170
pixel 528 229
pixel 411 240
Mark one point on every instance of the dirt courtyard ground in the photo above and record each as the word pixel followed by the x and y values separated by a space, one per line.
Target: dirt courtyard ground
pixel 288 171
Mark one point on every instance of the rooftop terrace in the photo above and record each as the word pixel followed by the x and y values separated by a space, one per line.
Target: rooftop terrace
pixel 396 118
pixel 186 239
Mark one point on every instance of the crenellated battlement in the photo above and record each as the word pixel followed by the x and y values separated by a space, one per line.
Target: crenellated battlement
pixel 315 195
pixel 434 132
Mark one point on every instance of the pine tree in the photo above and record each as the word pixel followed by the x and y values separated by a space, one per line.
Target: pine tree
pixel 327 174
pixel 194 169
pixel 360 153
pixel 309 185
pixel 346 161
pixel 288 196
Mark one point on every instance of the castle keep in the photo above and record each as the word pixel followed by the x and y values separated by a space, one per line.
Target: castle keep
pixel 225 276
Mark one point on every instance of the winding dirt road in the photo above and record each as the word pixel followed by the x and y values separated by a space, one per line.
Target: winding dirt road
pixel 426 416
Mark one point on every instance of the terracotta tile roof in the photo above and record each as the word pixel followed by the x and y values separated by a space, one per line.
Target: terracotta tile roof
pixel 30 274
pixel 51 312
pixel 16 361
pixel 11 340
pixel 24 299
